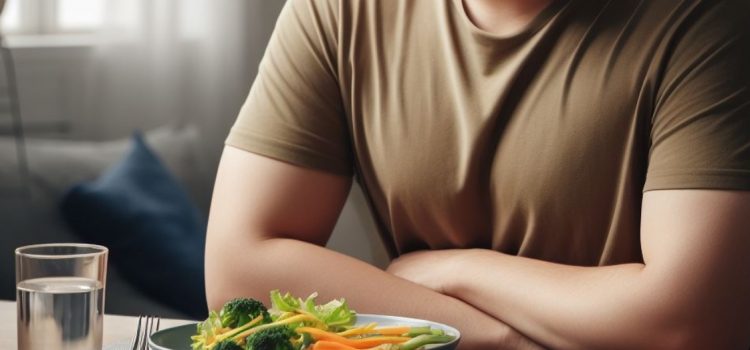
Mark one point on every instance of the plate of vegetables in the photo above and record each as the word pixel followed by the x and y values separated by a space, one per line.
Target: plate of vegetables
pixel 301 324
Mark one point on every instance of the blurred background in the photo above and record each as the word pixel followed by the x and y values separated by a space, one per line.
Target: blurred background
pixel 77 79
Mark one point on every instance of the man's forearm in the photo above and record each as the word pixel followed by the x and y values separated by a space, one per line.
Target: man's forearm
pixel 561 306
pixel 690 292
pixel 253 268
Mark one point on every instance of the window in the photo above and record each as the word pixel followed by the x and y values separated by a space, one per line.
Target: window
pixel 51 16
pixel 11 17
pixel 79 14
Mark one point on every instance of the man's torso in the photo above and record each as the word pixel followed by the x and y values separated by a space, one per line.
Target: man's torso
pixel 535 144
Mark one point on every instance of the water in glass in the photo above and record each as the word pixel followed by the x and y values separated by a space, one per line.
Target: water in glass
pixel 63 313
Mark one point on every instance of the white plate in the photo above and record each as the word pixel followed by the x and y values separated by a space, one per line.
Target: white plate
pixel 178 338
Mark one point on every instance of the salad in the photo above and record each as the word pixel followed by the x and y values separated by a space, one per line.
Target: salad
pixel 296 324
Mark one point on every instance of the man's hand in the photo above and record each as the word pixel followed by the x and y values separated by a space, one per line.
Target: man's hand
pixel 434 269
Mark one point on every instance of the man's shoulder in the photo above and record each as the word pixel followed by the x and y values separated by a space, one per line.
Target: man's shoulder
pixel 683 24
pixel 692 12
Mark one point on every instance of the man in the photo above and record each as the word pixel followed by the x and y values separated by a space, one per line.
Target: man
pixel 565 174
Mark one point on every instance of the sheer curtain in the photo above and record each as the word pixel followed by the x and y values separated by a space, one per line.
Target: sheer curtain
pixel 193 61
pixel 159 62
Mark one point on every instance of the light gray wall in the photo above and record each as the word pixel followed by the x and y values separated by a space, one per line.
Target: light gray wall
pixel 355 233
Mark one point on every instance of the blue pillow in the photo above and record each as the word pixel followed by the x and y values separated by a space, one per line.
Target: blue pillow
pixel 156 236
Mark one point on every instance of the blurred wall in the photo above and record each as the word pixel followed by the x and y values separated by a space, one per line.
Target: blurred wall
pixel 54 87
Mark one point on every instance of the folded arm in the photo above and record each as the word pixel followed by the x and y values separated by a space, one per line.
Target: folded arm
pixel 268 224
pixel 690 292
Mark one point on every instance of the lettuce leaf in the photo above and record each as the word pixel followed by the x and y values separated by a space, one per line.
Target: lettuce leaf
pixel 285 303
pixel 335 314
pixel 207 329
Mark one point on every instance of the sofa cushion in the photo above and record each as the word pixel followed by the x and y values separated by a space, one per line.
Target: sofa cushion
pixel 55 165
pixel 155 234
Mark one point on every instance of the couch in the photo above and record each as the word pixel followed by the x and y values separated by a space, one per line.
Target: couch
pixel 29 209
pixel 29 214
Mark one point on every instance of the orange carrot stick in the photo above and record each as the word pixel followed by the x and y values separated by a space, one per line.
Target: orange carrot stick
pixel 319 334
pixel 363 343
pixel 370 342
pixel 331 345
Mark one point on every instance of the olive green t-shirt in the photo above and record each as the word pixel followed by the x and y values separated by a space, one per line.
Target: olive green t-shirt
pixel 538 144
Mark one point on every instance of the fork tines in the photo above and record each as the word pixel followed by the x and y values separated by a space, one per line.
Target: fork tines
pixel 147 325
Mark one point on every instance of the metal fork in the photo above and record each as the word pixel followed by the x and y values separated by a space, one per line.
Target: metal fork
pixel 150 324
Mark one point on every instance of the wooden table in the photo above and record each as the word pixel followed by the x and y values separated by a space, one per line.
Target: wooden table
pixel 116 328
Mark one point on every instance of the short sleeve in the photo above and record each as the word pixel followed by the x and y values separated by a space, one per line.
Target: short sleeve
pixel 700 135
pixel 294 111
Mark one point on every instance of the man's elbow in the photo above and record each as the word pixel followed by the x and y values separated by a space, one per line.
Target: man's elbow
pixel 674 338
pixel 668 324
pixel 217 287
pixel 686 335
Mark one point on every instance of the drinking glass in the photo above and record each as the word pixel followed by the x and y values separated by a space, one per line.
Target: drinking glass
pixel 60 296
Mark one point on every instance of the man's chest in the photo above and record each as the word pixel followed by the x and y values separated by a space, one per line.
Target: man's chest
pixel 559 132
pixel 466 152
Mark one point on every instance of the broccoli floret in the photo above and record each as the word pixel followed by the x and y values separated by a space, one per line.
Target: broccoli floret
pixel 237 312
pixel 227 345
pixel 276 338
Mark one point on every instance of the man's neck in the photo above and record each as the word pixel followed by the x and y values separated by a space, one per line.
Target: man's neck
pixel 503 17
